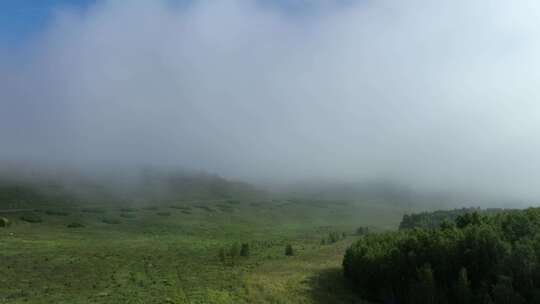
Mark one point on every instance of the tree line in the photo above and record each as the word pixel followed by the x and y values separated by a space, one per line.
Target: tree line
pixel 474 257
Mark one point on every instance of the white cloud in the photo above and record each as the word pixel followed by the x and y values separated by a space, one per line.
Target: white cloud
pixel 434 93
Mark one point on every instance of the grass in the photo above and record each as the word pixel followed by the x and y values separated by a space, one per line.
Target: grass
pixel 173 257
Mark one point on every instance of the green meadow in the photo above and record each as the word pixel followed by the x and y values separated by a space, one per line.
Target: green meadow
pixel 184 251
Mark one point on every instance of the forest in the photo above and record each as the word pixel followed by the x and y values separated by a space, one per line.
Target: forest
pixel 474 257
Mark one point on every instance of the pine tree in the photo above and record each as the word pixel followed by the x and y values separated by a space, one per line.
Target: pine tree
pixel 234 251
pixel 244 250
pixel 289 250
pixel 463 287
pixel 221 254
pixel 424 291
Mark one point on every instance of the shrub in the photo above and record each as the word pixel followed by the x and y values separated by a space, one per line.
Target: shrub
pixel 4 222
pixel 31 218
pixel 333 237
pixel 234 251
pixel 221 254
pixel 75 225
pixel 128 209
pixel 56 212
pixel 362 230
pixel 225 208
pixel 289 250
pixel 180 207
pixel 205 208
pixel 128 215
pixel 244 250
pixel 111 221
pixel 93 210
pixel 164 213
pixel 150 208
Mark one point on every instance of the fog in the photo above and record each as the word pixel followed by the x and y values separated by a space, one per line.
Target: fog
pixel 435 95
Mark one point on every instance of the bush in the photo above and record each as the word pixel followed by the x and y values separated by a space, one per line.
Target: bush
pixel 180 207
pixel 244 250
pixel 150 208
pixel 221 254
pixel 93 210
pixel 56 212
pixel 234 251
pixel 31 218
pixel 129 209
pixel 128 215
pixel 164 213
pixel 4 222
pixel 333 237
pixel 362 230
pixel 289 250
pixel 75 225
pixel 111 221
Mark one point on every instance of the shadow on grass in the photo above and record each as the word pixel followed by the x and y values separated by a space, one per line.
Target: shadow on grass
pixel 329 286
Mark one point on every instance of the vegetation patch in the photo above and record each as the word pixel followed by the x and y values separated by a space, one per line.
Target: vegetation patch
pixel 128 215
pixel 180 207
pixel 128 209
pixel 4 222
pixel 56 212
pixel 434 219
pixel 362 231
pixel 31 218
pixel 74 225
pixel 225 208
pixel 164 213
pixel 205 208
pixel 472 259
pixel 150 208
pixel 111 221
pixel 94 210
pixel 289 250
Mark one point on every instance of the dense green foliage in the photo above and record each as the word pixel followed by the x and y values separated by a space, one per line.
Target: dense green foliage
pixel 472 259
pixel 434 219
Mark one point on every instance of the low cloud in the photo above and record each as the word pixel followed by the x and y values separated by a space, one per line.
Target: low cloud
pixel 436 95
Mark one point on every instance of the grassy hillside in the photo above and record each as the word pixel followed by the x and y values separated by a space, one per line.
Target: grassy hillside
pixel 68 190
pixel 169 252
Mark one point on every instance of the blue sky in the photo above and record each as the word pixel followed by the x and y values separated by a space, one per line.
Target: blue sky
pixel 21 19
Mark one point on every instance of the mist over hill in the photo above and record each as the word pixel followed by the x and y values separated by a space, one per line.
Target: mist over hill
pixel 392 193
pixel 25 185
pixel 440 98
